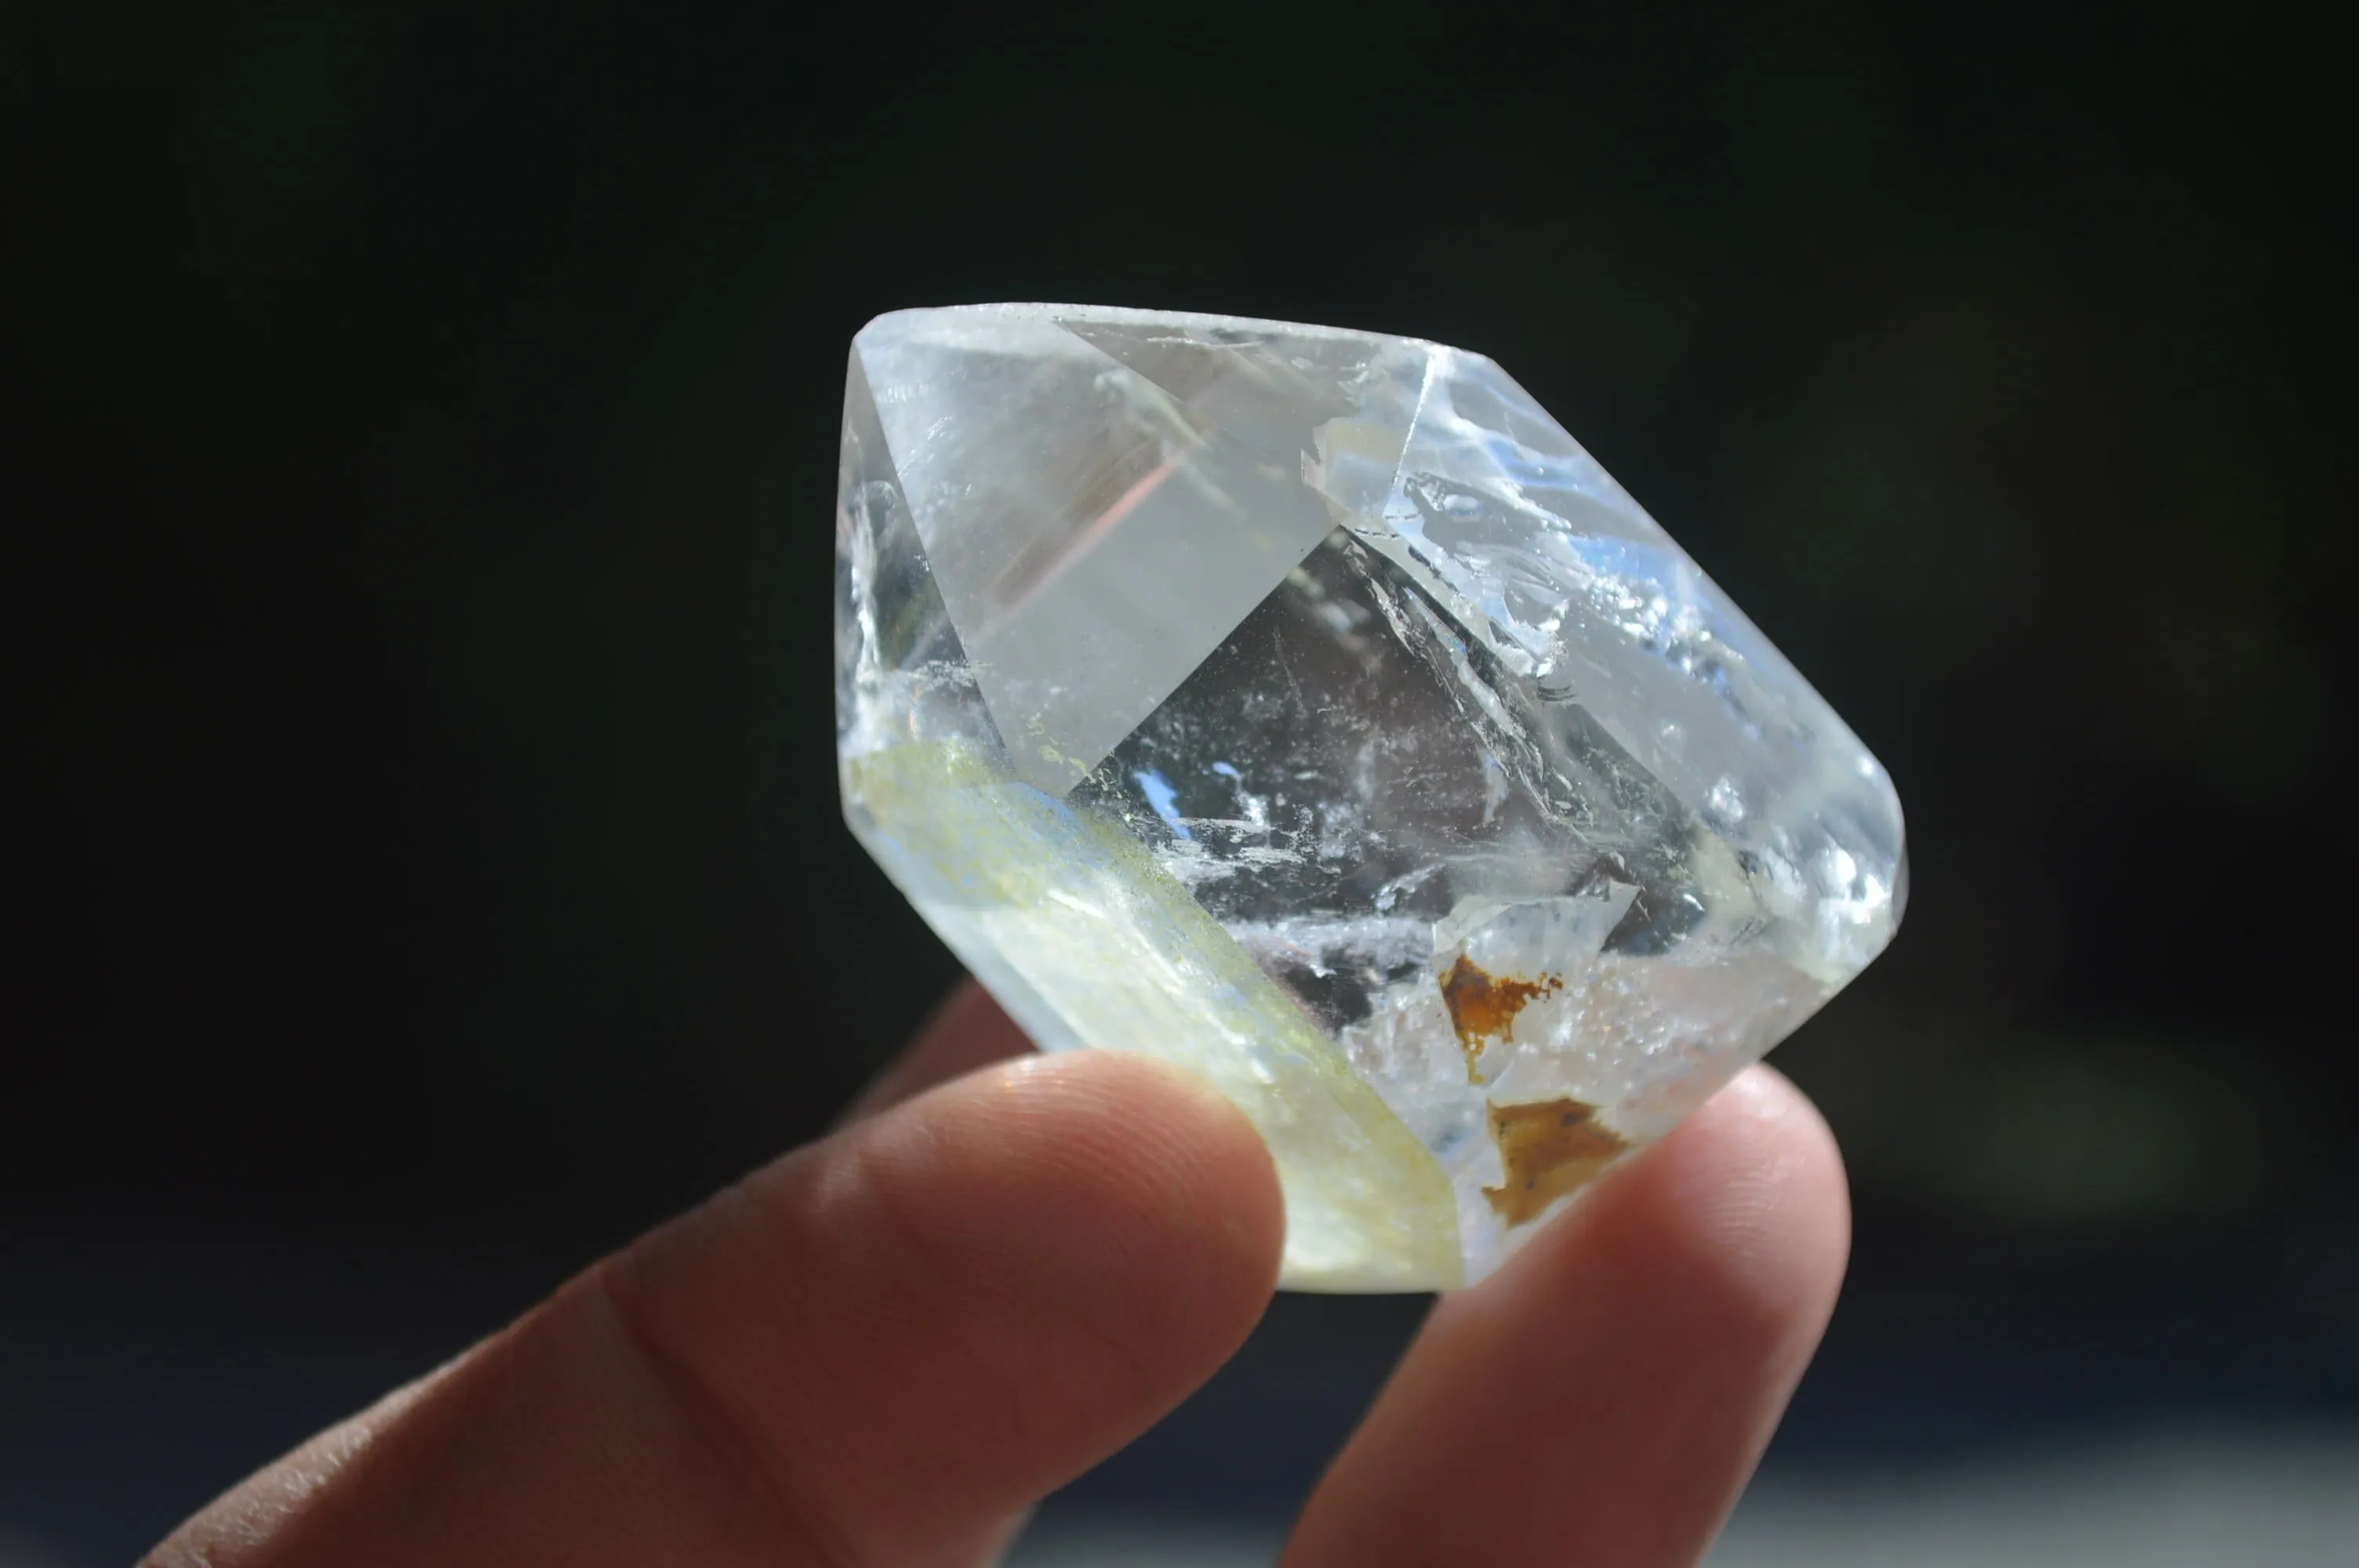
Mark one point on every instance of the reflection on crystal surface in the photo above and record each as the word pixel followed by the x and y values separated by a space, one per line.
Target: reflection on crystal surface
pixel 1307 708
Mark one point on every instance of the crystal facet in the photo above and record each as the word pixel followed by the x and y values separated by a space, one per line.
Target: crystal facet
pixel 1306 708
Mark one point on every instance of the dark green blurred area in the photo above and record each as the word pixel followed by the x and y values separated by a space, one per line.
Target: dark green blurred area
pixel 422 470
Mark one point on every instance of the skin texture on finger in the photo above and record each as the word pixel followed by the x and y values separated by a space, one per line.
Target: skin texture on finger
pixel 876 1351
pixel 968 1030
pixel 1603 1399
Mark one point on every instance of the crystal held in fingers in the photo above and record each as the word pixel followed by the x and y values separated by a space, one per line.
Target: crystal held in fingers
pixel 1307 708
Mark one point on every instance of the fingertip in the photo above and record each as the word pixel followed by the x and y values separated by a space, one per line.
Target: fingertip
pixel 1614 1382
pixel 1138 1184
pixel 1103 1106
pixel 1752 1189
pixel 971 1297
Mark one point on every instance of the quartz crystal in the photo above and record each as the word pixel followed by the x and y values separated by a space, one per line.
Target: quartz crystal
pixel 1306 708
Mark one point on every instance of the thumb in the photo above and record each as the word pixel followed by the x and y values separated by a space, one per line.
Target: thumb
pixel 872 1352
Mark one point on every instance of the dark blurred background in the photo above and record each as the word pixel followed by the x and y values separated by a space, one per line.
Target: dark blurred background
pixel 419 451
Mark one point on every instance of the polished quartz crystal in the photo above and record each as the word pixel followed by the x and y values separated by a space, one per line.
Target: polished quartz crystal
pixel 1306 708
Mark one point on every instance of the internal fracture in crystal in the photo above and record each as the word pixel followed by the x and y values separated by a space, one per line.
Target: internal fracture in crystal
pixel 1307 708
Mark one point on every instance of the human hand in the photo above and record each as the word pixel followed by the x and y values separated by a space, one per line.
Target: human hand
pixel 881 1349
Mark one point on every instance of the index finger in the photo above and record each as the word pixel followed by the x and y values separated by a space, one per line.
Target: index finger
pixel 1602 1398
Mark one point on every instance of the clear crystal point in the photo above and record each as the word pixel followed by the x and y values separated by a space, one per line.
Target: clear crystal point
pixel 1306 708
